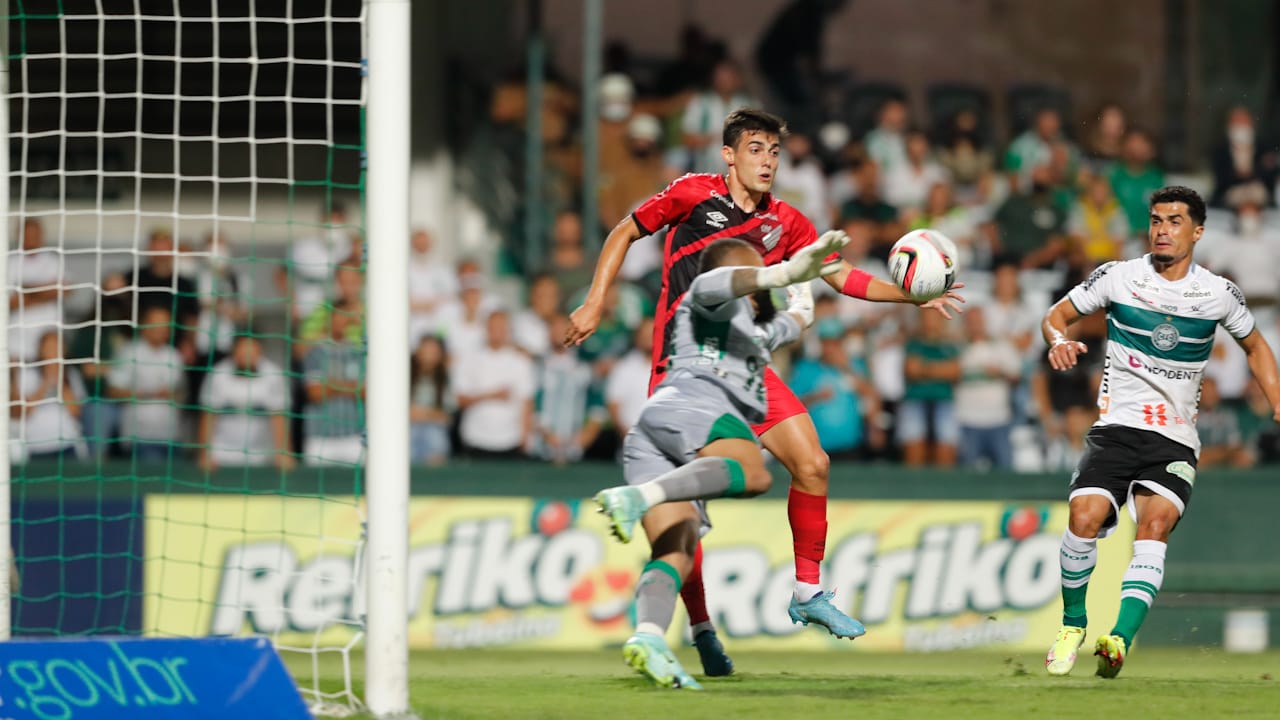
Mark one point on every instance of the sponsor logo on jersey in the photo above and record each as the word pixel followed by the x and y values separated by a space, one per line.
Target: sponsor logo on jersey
pixel 1235 291
pixel 767 216
pixel 1096 275
pixel 717 219
pixel 1165 336
pixel 1183 470
pixel 1171 374
pixel 728 202
pixel 1196 292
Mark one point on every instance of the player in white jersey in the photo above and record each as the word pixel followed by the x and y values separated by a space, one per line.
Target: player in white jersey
pixel 1162 310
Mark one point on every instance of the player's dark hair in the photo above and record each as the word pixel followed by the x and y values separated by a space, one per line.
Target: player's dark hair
pixel 715 254
pixel 1179 193
pixel 745 120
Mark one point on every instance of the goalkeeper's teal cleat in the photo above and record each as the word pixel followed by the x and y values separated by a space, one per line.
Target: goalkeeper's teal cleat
pixel 649 655
pixel 624 506
pixel 715 661
pixel 819 611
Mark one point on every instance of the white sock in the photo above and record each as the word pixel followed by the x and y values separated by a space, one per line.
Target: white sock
pixel 650 628
pixel 1146 571
pixel 702 627
pixel 652 493
pixel 806 591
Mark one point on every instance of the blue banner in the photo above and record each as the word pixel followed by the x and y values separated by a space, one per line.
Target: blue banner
pixel 114 678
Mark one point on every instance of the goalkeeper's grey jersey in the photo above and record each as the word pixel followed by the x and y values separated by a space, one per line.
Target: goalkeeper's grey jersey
pixel 716 338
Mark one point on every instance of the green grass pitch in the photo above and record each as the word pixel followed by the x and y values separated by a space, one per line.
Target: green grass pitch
pixel 511 685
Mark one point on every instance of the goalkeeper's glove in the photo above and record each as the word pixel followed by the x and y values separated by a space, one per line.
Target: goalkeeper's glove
pixel 805 265
pixel 800 302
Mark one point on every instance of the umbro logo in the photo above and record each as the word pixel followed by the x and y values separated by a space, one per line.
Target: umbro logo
pixel 717 219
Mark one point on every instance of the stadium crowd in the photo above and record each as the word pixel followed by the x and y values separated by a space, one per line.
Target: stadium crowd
pixel 167 365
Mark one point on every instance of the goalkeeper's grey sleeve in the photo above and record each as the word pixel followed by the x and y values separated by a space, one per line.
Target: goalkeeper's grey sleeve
pixel 781 330
pixel 712 291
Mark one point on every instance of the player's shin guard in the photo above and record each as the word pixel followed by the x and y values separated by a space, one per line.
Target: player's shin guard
pixel 1077 557
pixel 694 596
pixel 703 479
pixel 1139 588
pixel 808 516
pixel 656 598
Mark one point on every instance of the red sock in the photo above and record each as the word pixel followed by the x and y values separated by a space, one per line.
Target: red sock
pixel 808 516
pixel 695 598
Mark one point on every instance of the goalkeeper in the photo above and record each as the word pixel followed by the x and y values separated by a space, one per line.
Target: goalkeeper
pixel 693 441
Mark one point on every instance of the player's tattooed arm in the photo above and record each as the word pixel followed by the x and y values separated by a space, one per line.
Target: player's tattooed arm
pixel 1063 352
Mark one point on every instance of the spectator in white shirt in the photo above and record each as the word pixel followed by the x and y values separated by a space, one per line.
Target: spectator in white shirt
pixel 148 376
pixel 703 123
pixel 907 184
pixel 529 326
pixel 430 400
pixel 35 278
pixel 989 368
pixel 432 285
pixel 628 384
pixel 244 398
pixel 462 323
pixel 801 182
pixel 47 407
pixel 495 386
pixel 565 422
pixel 307 273
pixel 223 294
pixel 886 143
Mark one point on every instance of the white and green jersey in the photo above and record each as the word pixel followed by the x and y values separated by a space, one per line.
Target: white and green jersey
pixel 716 338
pixel 1159 336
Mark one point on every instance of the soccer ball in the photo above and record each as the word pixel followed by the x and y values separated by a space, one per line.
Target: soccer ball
pixel 923 263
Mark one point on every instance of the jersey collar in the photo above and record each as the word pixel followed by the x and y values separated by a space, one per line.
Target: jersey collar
pixel 766 199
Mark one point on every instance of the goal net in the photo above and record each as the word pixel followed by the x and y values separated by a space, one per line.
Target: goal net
pixel 186 314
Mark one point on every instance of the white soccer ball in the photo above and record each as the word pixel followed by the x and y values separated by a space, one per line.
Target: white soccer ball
pixel 923 263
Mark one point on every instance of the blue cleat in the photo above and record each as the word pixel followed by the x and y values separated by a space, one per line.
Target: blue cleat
pixel 819 610
pixel 649 655
pixel 715 661
pixel 624 506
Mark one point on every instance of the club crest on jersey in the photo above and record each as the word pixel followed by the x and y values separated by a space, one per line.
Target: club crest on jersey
pixel 771 237
pixel 717 219
pixel 1165 336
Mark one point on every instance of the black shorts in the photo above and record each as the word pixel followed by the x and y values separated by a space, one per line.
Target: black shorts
pixel 1117 457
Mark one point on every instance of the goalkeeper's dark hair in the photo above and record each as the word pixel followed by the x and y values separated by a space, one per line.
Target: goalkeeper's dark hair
pixel 745 120
pixel 1182 194
pixel 717 253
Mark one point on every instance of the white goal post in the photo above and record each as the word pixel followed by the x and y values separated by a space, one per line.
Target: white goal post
pixel 387 489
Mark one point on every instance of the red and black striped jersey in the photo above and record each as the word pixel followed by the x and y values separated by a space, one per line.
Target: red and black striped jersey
pixel 699 211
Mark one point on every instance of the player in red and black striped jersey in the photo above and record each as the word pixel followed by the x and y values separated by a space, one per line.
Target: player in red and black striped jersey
pixel 700 209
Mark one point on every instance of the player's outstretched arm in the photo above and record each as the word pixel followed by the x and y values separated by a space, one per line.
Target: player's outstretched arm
pixel 584 321
pixel 1262 362
pixel 855 283
pixel 1063 353
pixel 711 290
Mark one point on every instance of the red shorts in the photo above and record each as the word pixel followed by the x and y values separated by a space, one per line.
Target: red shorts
pixel 782 402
